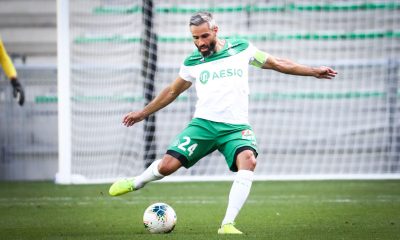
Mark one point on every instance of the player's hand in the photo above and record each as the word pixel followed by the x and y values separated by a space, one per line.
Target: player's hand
pixel 18 91
pixel 325 72
pixel 132 118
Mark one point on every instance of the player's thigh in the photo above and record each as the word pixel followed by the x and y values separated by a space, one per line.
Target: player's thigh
pixel 192 144
pixel 236 143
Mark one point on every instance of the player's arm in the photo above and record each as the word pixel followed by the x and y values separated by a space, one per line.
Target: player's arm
pixel 165 97
pixel 289 67
pixel 6 63
pixel 11 73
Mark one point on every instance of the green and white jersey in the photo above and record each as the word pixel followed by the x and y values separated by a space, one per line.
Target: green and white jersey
pixel 221 81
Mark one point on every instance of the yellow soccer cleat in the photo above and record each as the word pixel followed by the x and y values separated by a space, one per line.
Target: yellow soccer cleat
pixel 229 228
pixel 121 187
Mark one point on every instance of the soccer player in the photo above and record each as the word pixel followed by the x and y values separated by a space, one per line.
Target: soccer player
pixel 219 70
pixel 11 73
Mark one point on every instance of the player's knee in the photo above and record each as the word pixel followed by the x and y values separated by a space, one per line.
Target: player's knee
pixel 246 160
pixel 251 160
pixel 168 165
pixel 164 168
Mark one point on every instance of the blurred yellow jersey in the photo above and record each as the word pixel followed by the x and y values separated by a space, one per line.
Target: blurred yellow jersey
pixel 6 62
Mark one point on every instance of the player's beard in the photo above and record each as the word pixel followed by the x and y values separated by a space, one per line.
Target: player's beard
pixel 210 50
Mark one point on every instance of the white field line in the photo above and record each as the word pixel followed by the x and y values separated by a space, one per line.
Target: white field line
pixel 70 201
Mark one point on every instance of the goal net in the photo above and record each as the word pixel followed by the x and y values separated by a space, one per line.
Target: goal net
pixel 122 53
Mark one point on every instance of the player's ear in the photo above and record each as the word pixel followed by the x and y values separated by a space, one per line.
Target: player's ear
pixel 215 29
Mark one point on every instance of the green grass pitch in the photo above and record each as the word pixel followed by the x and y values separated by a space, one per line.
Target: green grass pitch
pixel 274 210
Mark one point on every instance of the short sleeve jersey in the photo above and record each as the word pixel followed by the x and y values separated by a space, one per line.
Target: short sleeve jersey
pixel 221 81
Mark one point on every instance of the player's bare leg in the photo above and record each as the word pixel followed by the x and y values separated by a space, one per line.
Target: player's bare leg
pixel 246 163
pixel 156 171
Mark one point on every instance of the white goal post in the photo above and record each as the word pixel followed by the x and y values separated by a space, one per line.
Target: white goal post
pixel 64 174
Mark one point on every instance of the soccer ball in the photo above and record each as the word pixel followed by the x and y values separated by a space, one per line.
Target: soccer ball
pixel 159 218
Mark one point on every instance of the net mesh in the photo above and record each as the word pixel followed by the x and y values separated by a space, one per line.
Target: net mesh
pixel 28 134
pixel 305 127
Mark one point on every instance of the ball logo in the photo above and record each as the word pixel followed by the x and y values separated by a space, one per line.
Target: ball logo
pixel 160 210
pixel 204 76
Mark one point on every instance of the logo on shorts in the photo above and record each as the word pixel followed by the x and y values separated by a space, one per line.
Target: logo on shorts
pixel 248 135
